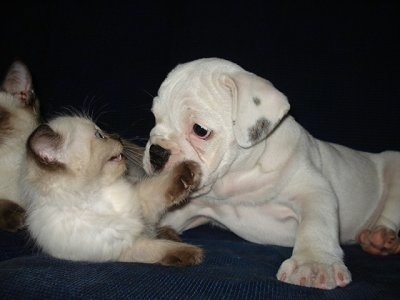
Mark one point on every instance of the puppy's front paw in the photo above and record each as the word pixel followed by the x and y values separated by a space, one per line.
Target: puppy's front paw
pixel 314 274
pixel 184 255
pixel 185 178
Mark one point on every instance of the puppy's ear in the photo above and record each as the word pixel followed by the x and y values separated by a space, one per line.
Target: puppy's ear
pixel 257 107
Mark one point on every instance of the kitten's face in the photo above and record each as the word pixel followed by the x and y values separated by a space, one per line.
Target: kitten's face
pixel 75 148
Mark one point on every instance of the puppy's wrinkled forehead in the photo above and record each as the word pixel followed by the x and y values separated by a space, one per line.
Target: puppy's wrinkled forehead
pixel 193 73
pixel 191 83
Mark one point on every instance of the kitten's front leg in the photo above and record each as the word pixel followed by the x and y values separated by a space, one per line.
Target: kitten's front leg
pixel 163 252
pixel 167 189
pixel 156 194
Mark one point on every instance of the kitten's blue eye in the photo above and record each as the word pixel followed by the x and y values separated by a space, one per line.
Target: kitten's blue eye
pixel 99 135
pixel 201 131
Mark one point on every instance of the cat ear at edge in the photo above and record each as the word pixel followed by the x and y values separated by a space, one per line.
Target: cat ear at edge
pixel 18 82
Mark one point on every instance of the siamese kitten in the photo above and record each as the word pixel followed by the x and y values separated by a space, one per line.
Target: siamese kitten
pixel 18 118
pixel 83 207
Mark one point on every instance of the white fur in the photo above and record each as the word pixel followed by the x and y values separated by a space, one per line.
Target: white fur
pixel 276 185
pixel 82 207
pixel 22 121
pixel 96 226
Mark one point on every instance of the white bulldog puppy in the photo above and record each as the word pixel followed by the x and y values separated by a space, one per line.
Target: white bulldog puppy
pixel 266 178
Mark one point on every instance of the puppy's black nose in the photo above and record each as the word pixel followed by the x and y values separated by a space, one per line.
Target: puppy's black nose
pixel 158 157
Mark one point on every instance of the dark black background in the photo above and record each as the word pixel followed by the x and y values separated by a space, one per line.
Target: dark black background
pixel 338 62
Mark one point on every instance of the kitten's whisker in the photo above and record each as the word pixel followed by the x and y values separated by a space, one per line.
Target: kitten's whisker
pixel 148 93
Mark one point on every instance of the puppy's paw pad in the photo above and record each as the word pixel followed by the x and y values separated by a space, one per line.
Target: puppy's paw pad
pixel 185 178
pixel 379 241
pixel 314 274
pixel 342 274
pixel 183 256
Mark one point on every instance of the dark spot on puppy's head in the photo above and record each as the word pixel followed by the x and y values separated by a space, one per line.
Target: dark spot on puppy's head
pixel 256 101
pixel 259 130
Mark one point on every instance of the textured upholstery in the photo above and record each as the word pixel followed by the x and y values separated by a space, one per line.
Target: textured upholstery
pixel 233 269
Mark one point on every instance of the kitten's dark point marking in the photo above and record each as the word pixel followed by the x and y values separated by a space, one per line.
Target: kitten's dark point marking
pixel 12 216
pixel 45 132
pixel 182 257
pixel 186 177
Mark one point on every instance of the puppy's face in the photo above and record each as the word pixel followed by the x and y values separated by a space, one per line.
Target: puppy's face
pixel 193 122
pixel 210 111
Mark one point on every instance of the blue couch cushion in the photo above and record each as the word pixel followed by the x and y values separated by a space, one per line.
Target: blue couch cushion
pixel 233 269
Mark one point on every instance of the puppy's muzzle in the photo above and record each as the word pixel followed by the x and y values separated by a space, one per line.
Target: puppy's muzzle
pixel 158 157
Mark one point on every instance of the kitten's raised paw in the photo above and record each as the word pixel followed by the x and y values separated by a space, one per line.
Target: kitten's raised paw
pixel 379 241
pixel 12 216
pixel 184 255
pixel 185 178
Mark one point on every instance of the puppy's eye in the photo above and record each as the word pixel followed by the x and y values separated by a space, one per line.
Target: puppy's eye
pixel 99 134
pixel 201 131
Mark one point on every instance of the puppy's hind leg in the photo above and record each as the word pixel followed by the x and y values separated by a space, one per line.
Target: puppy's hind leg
pixel 383 238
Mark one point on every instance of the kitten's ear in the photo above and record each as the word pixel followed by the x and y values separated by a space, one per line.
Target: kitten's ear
pixel 46 146
pixel 18 82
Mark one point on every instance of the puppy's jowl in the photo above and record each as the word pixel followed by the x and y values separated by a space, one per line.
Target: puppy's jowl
pixel 266 178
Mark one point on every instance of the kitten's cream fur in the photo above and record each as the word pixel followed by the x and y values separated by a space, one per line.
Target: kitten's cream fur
pixel 18 118
pixel 83 207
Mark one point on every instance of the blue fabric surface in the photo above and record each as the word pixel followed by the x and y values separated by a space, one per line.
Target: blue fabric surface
pixel 233 269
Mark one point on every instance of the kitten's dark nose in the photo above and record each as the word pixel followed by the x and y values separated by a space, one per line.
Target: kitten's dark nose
pixel 158 157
